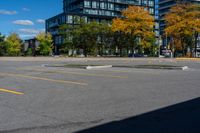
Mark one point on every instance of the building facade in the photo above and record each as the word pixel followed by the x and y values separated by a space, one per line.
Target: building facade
pixel 91 10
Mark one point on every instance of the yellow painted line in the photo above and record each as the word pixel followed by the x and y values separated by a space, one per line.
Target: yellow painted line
pixel 82 74
pixel 41 78
pixel 195 59
pixel 10 91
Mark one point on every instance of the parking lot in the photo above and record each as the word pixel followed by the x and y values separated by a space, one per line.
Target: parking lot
pixel 47 95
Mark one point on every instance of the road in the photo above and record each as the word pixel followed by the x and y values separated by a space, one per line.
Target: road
pixel 38 99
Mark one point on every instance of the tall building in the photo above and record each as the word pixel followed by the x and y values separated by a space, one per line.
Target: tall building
pixel 91 10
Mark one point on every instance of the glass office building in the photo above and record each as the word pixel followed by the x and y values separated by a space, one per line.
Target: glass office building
pixel 91 10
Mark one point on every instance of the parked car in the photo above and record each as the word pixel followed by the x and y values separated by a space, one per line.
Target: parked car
pixel 136 55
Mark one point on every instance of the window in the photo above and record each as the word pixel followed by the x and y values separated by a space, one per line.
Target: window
pixel 151 10
pixel 151 3
pixel 108 13
pixel 145 2
pixel 101 12
pixel 86 3
pixel 103 5
pixel 70 19
pixel 94 4
pixel 94 12
pixel 110 6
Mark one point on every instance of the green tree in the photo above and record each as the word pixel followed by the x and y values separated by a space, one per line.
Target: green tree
pixel 13 44
pixel 45 43
pixel 2 45
pixel 71 35
pixel 89 36
pixel 2 37
pixel 105 37
pixel 65 32
pixel 29 52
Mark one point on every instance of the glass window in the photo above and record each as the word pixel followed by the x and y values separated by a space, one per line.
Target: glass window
pixel 151 10
pixel 151 3
pixel 86 3
pixel 94 4
pixel 145 2
pixel 69 19
pixel 110 6
pixel 101 12
pixel 103 5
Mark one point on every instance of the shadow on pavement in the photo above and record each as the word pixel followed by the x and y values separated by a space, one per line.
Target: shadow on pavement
pixel 180 118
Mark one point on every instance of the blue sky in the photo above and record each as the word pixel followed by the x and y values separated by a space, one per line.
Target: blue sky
pixel 26 17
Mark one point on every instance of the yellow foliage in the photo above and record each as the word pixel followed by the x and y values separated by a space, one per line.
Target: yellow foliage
pixel 135 21
pixel 183 19
pixel 183 22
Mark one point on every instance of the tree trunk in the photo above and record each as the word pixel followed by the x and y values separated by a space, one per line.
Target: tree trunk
pixel 183 47
pixel 133 50
pixel 120 51
pixel 85 51
pixel 127 50
pixel 196 40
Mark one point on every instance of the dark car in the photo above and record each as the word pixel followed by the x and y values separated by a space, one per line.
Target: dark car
pixel 136 55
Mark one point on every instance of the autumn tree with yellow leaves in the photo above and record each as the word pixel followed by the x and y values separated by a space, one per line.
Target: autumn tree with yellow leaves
pixel 138 24
pixel 183 27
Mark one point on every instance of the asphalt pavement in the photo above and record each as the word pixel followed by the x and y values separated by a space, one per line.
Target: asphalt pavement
pixel 63 99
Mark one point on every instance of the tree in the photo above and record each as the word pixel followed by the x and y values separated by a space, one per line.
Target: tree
pixel 65 32
pixel 138 24
pixel 13 44
pixel 89 33
pixel 183 26
pixel 90 37
pixel 70 34
pixel 2 45
pixel 2 37
pixel 45 43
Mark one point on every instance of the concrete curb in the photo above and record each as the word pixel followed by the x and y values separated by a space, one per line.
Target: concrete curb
pixel 185 68
pixel 163 68
pixel 96 67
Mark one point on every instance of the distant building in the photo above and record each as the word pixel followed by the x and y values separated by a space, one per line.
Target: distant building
pixel 31 44
pixel 91 10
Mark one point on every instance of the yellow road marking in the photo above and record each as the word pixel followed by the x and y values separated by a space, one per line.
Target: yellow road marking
pixel 193 59
pixel 82 74
pixel 10 91
pixel 41 78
